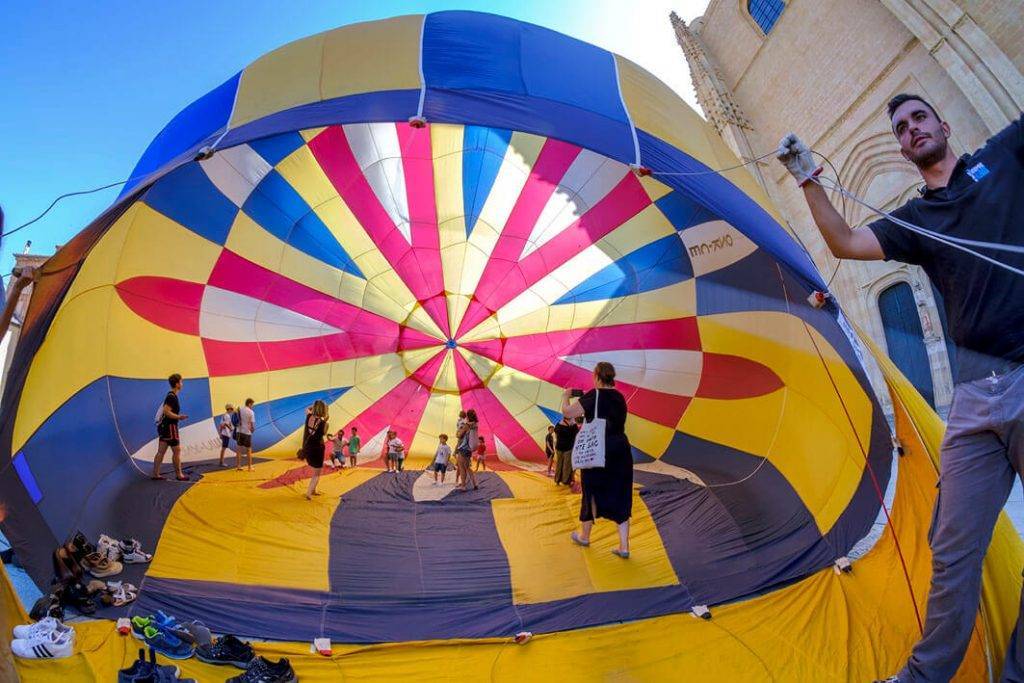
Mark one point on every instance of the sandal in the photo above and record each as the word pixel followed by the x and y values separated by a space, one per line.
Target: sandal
pixel 579 541
pixel 182 478
pixel 124 594
pixel 157 477
pixel 624 554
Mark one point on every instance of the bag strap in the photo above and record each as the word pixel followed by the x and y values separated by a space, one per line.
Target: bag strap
pixel 597 397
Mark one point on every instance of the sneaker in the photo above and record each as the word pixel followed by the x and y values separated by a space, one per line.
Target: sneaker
pixel 109 548
pixel 46 645
pixel 29 631
pixel 142 671
pixel 227 650
pixel 99 566
pixel 160 622
pixel 167 643
pixel 131 552
pixel 262 670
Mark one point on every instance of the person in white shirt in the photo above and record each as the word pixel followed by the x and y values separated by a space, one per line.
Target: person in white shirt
pixel 225 429
pixel 396 452
pixel 246 427
pixel 441 455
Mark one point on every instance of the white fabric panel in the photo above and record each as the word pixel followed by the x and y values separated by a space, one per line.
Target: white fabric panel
pixel 199 441
pixel 228 316
pixel 588 179
pixel 670 371
pixel 714 245
pixel 376 149
pixel 505 455
pixel 236 171
pixel 370 450
pixel 508 184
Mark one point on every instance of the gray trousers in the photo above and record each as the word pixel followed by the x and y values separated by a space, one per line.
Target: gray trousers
pixel 982 452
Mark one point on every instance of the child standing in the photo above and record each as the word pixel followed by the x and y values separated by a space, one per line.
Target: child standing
pixel 396 452
pixel 441 455
pixel 225 430
pixel 338 442
pixel 481 456
pixel 353 447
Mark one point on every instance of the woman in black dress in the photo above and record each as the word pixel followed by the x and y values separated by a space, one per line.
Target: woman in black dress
pixel 313 444
pixel 608 490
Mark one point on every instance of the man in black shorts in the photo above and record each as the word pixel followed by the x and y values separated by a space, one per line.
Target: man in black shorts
pixel 167 430
pixel 976 200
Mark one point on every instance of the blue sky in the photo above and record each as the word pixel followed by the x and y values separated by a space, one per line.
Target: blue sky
pixel 86 86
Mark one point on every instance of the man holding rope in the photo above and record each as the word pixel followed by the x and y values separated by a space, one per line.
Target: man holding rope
pixel 973 208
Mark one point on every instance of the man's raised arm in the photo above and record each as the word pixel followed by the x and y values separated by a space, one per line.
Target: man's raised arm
pixel 843 241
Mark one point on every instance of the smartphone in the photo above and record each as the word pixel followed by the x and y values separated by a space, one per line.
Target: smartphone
pixel 576 393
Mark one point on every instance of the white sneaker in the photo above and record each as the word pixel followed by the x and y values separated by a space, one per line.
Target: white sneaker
pixel 25 631
pixel 49 645
pixel 131 552
pixel 109 547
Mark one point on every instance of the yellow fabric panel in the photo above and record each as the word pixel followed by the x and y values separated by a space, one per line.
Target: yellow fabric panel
pixel 159 247
pixel 281 79
pixel 650 437
pixel 252 536
pixel 310 133
pixel 100 266
pixel 268 386
pixel 813 420
pixel 439 417
pixel 580 571
pixel 359 58
pixel 657 110
pixel 446 146
pixel 142 349
pixel 372 56
pixel 535 535
pixel 12 613
pixel 72 355
pixel 655 189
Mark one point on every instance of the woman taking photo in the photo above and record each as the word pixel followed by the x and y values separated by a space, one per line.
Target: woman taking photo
pixel 313 444
pixel 608 490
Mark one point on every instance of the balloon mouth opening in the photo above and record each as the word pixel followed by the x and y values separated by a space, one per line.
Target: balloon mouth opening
pixel 451 344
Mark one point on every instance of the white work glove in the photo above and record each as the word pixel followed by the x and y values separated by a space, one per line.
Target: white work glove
pixel 797 158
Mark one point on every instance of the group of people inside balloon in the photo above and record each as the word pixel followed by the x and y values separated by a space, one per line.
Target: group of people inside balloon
pixel 607 492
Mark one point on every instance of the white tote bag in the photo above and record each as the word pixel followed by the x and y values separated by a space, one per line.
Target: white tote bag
pixel 588 451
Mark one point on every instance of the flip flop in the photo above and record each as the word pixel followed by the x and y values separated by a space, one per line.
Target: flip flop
pixel 579 541
pixel 158 477
pixel 182 478
pixel 624 554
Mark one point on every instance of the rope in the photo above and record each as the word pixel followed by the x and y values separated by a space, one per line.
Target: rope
pixel 874 480
pixel 54 203
pixel 715 170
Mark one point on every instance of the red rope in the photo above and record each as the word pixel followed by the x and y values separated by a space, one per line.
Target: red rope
pixel 874 481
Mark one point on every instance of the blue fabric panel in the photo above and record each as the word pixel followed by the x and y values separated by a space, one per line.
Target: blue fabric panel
pixel 277 147
pixel 135 402
pixel 729 203
pixel 482 152
pixel 659 264
pixel 27 480
pixel 754 529
pixel 683 212
pixel 188 196
pixel 553 415
pixel 196 122
pixel 751 284
pixel 484 52
pixel 278 418
pixel 532 115
pixel 281 211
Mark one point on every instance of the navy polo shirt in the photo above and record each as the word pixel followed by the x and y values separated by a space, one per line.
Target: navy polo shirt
pixel 983 201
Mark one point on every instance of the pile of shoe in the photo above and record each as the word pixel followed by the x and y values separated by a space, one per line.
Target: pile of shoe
pixel 79 554
pixel 143 671
pixel 115 593
pixel 126 550
pixel 169 636
pixel 48 638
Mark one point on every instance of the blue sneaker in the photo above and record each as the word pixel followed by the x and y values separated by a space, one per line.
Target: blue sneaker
pixel 167 643
pixel 142 671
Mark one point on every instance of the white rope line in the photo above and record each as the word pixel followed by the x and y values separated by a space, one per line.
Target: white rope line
pixel 928 233
pixel 715 170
